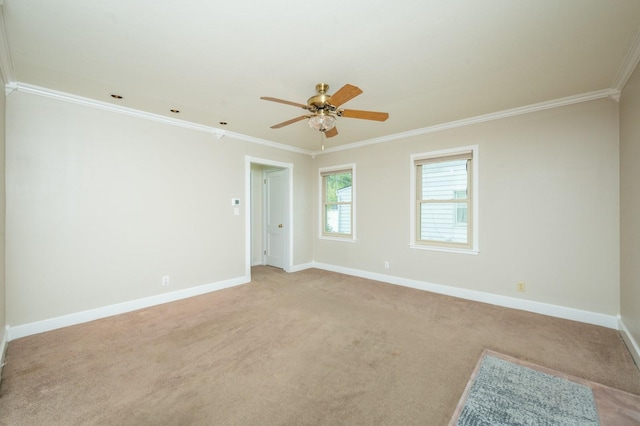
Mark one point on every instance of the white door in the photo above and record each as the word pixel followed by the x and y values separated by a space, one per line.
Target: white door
pixel 275 212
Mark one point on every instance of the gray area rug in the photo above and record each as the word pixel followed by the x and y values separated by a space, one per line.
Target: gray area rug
pixel 506 393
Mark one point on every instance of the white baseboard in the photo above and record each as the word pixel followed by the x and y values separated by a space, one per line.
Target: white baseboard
pixel 609 321
pixel 301 267
pixel 588 317
pixel 633 346
pixel 120 308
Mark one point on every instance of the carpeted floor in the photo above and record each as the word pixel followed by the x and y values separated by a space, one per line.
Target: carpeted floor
pixel 308 348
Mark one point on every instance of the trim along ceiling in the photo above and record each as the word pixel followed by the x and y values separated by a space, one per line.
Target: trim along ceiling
pixel 431 64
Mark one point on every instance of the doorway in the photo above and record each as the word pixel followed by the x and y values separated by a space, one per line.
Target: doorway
pixel 269 213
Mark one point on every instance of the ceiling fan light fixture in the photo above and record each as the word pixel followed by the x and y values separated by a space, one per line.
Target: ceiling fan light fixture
pixel 322 122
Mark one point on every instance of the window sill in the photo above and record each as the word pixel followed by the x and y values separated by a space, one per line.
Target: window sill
pixel 474 252
pixel 345 240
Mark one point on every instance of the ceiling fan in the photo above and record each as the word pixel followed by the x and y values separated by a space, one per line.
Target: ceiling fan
pixel 324 109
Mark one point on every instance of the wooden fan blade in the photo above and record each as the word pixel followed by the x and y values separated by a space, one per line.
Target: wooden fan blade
pixel 282 101
pixel 365 115
pixel 346 93
pixel 286 123
pixel 331 133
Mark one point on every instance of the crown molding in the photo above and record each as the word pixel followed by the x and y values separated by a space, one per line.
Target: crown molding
pixel 92 103
pixel 556 103
pixel 629 64
pixel 6 66
pixel 220 133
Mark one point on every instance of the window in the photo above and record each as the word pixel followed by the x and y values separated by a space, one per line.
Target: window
pixel 337 202
pixel 461 208
pixel 444 185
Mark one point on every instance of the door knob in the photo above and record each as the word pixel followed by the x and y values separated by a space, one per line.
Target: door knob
pixel 280 226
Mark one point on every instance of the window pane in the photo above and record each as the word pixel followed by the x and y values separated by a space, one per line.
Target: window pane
pixel 337 218
pixel 438 222
pixel 338 187
pixel 444 180
pixel 461 208
pixel 461 214
pixel 337 203
pixel 330 218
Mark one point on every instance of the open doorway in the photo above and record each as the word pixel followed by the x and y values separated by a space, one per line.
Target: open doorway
pixel 269 213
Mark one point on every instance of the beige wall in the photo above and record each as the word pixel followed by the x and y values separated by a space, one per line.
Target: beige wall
pixel 630 205
pixel 101 205
pixel 256 214
pixel 3 318
pixel 549 211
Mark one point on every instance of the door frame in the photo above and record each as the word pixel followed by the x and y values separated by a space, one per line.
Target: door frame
pixel 288 237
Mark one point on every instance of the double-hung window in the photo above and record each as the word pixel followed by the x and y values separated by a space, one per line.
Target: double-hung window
pixel 444 200
pixel 337 192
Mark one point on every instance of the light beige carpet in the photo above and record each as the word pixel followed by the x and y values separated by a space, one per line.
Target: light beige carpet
pixel 308 348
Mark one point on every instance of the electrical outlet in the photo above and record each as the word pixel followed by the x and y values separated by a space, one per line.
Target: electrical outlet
pixel 165 280
pixel 521 286
pixel 386 264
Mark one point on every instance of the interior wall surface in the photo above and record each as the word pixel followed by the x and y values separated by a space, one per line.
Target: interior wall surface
pixel 102 205
pixel 630 205
pixel 3 317
pixel 548 208
pixel 256 214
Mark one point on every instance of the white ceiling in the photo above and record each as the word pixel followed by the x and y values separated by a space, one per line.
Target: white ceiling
pixel 426 62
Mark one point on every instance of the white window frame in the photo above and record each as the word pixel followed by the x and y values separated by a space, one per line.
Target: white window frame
pixel 472 214
pixel 337 237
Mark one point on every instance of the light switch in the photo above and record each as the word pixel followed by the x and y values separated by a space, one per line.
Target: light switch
pixel 236 211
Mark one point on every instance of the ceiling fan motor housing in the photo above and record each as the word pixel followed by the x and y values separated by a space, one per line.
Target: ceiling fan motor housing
pixel 320 101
